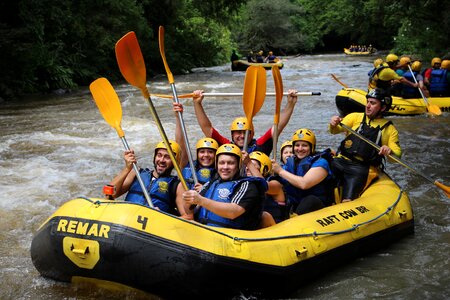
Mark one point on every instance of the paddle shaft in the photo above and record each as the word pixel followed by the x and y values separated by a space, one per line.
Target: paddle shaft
pixel 138 175
pixel 338 81
pixel 237 94
pixel 278 82
pixel 164 137
pixel 183 129
pixel 393 157
pixel 418 87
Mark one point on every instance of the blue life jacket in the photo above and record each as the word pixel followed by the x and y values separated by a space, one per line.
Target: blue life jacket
pixel 321 190
pixel 409 91
pixel 203 174
pixel 438 82
pixel 158 189
pixel 223 191
pixel 279 212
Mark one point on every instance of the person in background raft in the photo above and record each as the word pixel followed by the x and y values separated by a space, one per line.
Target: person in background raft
pixel 271 58
pixel 410 92
pixel 164 189
pixel 260 57
pixel 234 56
pixel 285 152
pixel 229 200
pixel 206 148
pixel 259 165
pixel 435 65
pixel 307 175
pixel 384 76
pixel 240 125
pixel 376 63
pixel 357 162
pixel 440 80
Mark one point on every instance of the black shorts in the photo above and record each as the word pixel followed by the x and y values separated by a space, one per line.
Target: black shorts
pixel 351 175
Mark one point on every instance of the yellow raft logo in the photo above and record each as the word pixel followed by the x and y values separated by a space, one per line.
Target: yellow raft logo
pixel 84 228
pixel 163 187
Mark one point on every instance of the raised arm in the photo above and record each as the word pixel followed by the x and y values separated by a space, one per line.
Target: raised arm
pixel 286 114
pixel 178 107
pixel 202 118
pixel 123 180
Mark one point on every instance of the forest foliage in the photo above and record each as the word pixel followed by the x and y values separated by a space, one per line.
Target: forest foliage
pixel 49 44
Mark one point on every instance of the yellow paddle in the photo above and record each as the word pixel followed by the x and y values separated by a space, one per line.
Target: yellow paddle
pixel 132 66
pixel 174 92
pixel 338 81
pixel 108 104
pixel 443 187
pixel 254 95
pixel 433 109
pixel 278 98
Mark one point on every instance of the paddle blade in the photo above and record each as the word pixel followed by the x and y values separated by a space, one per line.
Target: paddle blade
pixel 443 187
pixel 261 83
pixel 163 54
pixel 278 92
pixel 434 109
pixel 108 103
pixel 130 60
pixel 249 94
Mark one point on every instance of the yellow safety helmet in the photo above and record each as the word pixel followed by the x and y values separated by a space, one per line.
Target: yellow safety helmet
pixel 416 66
pixel 264 160
pixel 207 143
pixel 405 60
pixel 391 58
pixel 240 123
pixel 284 144
pixel 435 60
pixel 304 134
pixel 176 149
pixel 229 149
pixel 377 62
pixel 445 64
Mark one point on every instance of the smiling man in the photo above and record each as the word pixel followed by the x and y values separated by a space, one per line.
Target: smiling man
pixel 230 200
pixel 164 189
pixel 358 163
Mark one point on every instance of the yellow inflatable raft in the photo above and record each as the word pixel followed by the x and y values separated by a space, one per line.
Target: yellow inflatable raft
pixel 242 65
pixel 354 100
pixel 136 246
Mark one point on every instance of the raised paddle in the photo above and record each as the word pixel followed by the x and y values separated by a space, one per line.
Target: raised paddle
pixel 108 104
pixel 443 187
pixel 132 66
pixel 175 97
pixel 231 94
pixel 433 109
pixel 338 81
pixel 253 95
pixel 278 98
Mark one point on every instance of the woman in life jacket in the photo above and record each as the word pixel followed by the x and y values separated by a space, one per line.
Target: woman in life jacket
pixel 306 174
pixel 229 200
pixel 259 165
pixel 357 162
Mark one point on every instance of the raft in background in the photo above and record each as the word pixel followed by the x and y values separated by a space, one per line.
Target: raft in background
pixel 350 100
pixel 118 242
pixel 359 53
pixel 242 65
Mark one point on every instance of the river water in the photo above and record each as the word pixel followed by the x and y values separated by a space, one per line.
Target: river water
pixel 56 148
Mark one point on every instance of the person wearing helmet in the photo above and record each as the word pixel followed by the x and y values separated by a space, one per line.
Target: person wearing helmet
pixel 164 189
pixel 410 92
pixel 376 63
pixel 306 177
pixel 239 125
pixel 285 151
pixel 270 58
pixel 435 65
pixel 440 80
pixel 260 57
pixel 403 65
pixel 259 164
pixel 357 162
pixel 229 200
pixel 384 76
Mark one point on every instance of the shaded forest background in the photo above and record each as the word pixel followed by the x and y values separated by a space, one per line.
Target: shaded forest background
pixel 62 44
